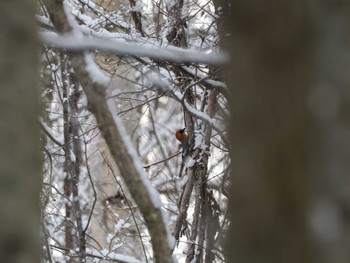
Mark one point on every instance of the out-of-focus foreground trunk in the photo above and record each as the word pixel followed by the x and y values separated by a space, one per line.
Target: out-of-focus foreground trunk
pixel 19 136
pixel 290 132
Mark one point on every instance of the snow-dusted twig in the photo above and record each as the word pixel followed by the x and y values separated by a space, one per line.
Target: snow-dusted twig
pixel 129 205
pixel 119 143
pixel 146 166
pixel 194 112
pixel 49 134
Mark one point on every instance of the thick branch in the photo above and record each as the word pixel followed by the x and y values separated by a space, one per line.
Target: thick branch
pixel 170 54
pixel 143 193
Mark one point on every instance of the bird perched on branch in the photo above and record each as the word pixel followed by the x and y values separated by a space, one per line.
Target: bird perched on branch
pixel 182 137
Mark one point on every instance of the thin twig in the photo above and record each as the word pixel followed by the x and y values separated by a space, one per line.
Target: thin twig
pixel 129 205
pixel 146 166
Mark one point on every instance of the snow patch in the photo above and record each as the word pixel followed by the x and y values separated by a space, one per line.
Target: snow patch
pixel 95 72
pixel 154 195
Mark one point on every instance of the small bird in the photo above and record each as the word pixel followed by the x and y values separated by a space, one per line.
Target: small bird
pixel 182 137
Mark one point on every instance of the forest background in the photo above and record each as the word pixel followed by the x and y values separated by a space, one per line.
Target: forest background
pixel 266 178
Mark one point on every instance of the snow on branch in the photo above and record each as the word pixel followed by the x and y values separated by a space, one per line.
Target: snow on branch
pixel 200 115
pixel 144 195
pixel 130 149
pixel 191 110
pixel 172 54
pixel 96 74
pixel 47 130
pixel 220 86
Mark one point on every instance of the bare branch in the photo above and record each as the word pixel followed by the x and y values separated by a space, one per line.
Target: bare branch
pixel 146 166
pixel 145 196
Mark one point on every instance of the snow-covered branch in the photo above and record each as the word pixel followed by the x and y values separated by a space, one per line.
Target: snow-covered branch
pixel 171 54
pixel 143 193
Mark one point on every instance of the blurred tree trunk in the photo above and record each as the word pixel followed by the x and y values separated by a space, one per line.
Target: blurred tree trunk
pixel 290 131
pixel 19 137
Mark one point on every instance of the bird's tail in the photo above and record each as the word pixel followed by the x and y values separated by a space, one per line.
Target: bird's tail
pixel 182 167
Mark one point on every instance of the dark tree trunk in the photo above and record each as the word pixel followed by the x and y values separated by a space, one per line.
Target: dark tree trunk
pixel 289 133
pixel 19 134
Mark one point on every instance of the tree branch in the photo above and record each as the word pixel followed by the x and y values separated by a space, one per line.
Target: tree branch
pixel 145 196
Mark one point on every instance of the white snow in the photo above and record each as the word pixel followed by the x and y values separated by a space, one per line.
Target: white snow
pixel 73 157
pixel 89 3
pixel 96 74
pixel 198 141
pixel 137 7
pixel 174 54
pixel 190 162
pixel 169 3
pixel 119 225
pixel 154 195
pixel 200 115
pixel 115 256
pixel 44 20
pixel 204 78
pixel 57 136
pixel 71 20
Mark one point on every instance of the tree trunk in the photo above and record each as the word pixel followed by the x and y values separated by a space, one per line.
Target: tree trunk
pixel 290 136
pixel 19 135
